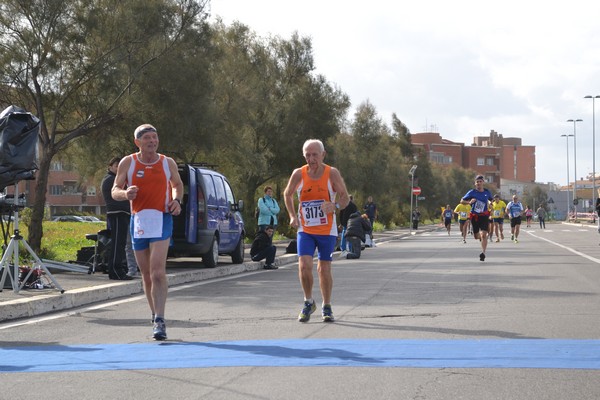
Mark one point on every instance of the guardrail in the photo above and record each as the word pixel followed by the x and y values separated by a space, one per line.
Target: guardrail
pixel 581 216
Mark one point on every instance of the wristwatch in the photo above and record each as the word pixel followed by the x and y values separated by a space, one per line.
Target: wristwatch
pixel 177 200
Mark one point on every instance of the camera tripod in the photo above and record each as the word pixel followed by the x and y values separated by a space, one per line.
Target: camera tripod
pixel 10 258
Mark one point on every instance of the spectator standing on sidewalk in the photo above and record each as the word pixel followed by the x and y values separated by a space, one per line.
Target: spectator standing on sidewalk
pixel 268 208
pixel 118 214
pixel 416 217
pixel 344 216
pixel 370 209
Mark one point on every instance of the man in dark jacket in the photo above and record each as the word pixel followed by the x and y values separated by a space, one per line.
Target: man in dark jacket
pixel 263 248
pixel 358 225
pixel 344 216
pixel 118 215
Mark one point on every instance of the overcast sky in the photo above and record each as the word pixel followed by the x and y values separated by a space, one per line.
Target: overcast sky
pixel 459 68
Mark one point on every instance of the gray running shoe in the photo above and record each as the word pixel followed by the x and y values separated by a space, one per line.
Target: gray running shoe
pixel 160 329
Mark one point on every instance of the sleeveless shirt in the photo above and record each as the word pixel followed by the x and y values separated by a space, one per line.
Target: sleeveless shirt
pixel 153 183
pixel 312 193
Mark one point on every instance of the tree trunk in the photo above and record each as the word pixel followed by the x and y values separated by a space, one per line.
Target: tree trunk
pixel 35 228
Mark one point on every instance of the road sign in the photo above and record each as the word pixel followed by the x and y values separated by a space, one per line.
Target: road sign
pixel 416 190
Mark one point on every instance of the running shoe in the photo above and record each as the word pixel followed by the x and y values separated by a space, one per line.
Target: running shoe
pixel 516 241
pixel 343 253
pixel 512 237
pixel 502 235
pixel 464 241
pixel 160 329
pixel 327 313
pixel 482 257
pixel 497 240
pixel 308 309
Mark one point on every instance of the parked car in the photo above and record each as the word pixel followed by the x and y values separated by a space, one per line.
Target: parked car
pixel 211 223
pixel 68 218
pixel 91 218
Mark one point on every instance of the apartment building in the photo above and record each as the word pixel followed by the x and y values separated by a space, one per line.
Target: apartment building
pixel 67 192
pixel 494 156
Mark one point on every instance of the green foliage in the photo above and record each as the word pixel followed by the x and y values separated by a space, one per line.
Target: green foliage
pixel 218 94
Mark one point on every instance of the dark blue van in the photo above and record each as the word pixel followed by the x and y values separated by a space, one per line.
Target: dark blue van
pixel 211 224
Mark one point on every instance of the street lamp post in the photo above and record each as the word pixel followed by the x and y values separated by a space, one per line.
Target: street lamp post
pixel 593 147
pixel 568 200
pixel 575 121
pixel 412 185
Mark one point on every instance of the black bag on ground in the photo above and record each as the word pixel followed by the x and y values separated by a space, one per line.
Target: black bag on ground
pixel 292 247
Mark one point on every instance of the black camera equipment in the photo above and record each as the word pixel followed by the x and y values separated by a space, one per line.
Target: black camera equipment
pixel 19 132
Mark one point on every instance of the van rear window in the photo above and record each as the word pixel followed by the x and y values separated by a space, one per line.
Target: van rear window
pixel 211 195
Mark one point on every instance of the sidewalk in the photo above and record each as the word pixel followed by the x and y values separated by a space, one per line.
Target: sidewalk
pixel 83 289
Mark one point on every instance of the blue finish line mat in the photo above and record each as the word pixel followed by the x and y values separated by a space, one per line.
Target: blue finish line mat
pixel 516 353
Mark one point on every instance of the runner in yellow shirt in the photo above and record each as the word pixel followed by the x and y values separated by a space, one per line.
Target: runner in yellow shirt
pixel 498 207
pixel 463 210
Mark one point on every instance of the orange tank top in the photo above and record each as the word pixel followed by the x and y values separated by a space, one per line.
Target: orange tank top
pixel 312 193
pixel 153 183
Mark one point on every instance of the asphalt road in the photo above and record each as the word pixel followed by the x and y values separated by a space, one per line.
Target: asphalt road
pixel 416 318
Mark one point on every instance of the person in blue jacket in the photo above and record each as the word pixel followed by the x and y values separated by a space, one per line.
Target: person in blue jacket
pixel 267 210
pixel 479 199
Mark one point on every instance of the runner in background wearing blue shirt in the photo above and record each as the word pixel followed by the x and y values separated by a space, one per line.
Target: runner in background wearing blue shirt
pixel 447 216
pixel 479 199
pixel 514 209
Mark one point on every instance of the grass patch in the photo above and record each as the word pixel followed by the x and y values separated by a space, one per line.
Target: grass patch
pixel 62 240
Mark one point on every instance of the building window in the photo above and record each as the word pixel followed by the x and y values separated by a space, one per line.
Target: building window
pixel 489 161
pixel 56 166
pixel 480 161
pixel 55 190
pixel 440 158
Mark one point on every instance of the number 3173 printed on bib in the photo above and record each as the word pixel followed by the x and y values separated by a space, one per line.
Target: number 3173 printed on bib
pixel 313 214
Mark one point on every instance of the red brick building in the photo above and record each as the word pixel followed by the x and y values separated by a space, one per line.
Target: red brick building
pixel 493 156
pixel 66 192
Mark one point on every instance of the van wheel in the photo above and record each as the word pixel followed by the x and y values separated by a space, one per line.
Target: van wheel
pixel 211 259
pixel 238 254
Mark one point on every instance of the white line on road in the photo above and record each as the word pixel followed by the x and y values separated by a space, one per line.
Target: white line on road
pixel 596 260
pixel 117 302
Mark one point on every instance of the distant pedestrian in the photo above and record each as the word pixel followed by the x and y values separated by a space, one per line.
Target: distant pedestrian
pixel 416 217
pixel 541 214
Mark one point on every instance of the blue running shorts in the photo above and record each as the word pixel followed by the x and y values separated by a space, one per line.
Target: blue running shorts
pixel 307 244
